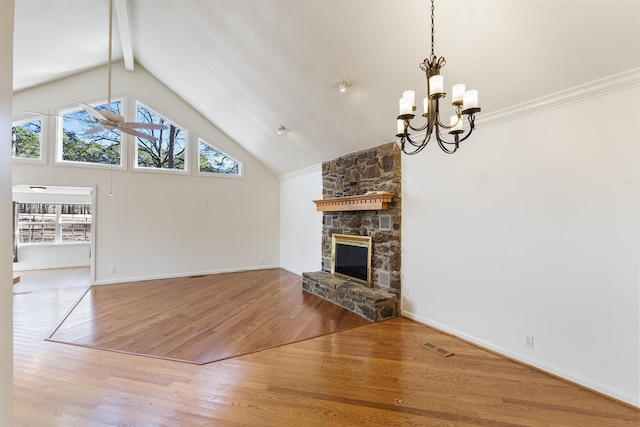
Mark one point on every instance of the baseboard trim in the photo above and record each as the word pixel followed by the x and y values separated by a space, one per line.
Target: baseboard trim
pixel 17 267
pixel 174 275
pixel 599 389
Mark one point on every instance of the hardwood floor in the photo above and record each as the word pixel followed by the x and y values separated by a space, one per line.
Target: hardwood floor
pixel 373 375
pixel 202 319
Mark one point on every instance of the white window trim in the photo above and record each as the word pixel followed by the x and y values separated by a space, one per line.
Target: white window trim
pixel 187 145
pixel 58 229
pixel 196 163
pixel 43 135
pixel 58 160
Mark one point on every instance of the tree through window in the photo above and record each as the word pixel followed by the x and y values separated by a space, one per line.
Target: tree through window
pixel 26 140
pixel 214 161
pixel 103 147
pixel 44 223
pixel 168 152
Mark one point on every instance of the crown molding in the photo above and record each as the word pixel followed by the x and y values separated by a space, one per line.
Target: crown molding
pixel 310 169
pixel 610 84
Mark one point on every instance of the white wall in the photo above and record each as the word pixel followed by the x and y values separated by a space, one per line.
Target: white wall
pixel 161 224
pixel 6 292
pixel 300 223
pixel 532 229
pixel 67 255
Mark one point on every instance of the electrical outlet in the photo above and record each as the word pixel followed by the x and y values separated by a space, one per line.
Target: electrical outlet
pixel 113 270
pixel 528 341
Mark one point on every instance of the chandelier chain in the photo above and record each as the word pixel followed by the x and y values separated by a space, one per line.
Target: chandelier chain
pixel 432 25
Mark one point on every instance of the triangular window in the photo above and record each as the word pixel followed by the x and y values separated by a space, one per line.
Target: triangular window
pixel 215 161
pixel 168 151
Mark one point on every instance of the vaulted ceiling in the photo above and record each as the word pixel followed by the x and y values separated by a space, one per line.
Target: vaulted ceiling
pixel 251 65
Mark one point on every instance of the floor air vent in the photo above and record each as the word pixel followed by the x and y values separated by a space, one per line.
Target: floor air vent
pixel 441 351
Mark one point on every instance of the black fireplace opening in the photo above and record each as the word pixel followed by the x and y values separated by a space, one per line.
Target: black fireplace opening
pixel 352 261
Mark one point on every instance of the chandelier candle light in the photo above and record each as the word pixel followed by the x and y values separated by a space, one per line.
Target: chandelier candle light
pixel 464 101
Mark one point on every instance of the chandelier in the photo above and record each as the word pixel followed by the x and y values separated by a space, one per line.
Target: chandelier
pixel 465 103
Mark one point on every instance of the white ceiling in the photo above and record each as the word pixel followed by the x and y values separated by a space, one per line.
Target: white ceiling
pixel 250 65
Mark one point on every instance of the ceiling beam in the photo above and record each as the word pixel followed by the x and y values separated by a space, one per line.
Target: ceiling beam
pixel 122 16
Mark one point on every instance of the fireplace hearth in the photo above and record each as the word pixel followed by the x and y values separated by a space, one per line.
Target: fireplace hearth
pixel 372 304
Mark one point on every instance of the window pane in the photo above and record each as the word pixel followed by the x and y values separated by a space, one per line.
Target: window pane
pixel 75 213
pixel 168 152
pixel 41 222
pixel 75 232
pixel 214 161
pixel 37 233
pixel 75 223
pixel 102 147
pixel 36 212
pixel 26 140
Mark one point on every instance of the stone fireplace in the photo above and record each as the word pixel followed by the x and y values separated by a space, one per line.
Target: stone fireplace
pixel 361 197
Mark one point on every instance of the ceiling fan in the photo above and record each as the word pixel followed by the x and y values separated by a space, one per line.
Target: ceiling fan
pixel 108 119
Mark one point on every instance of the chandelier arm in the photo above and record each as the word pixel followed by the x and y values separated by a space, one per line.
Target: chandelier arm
pixel 472 127
pixel 419 147
pixel 448 151
pixel 442 125
pixel 467 135
pixel 424 141
pixel 418 129
pixel 437 116
pixel 412 143
pixel 441 138
pixel 443 147
pixel 442 142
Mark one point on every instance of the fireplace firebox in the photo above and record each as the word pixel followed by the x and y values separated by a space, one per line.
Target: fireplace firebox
pixel 351 257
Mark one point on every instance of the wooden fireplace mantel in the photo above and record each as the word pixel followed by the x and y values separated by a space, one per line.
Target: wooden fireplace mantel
pixel 366 202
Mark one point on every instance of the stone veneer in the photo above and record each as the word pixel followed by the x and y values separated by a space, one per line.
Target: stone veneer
pixel 375 169
pixel 372 304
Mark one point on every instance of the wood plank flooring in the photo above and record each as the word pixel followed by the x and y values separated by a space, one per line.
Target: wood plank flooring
pixel 202 319
pixel 373 375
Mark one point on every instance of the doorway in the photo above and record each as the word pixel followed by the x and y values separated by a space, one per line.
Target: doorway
pixel 53 228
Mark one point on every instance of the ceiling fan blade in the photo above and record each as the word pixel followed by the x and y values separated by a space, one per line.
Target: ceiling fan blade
pixel 94 113
pixel 93 130
pixel 139 134
pixel 112 117
pixel 135 125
